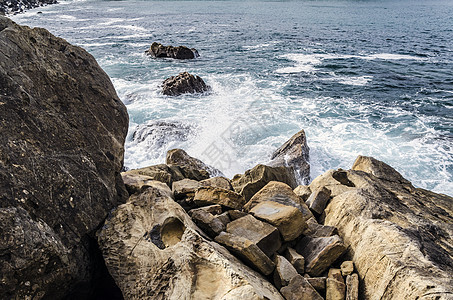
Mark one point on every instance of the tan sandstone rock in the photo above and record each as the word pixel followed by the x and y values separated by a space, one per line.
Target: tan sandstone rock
pixel 212 195
pixel 352 287
pixel 255 179
pixel 264 235
pixel 300 289
pixel 320 253
pixel 288 219
pixel 297 260
pixel 153 250
pixel 398 236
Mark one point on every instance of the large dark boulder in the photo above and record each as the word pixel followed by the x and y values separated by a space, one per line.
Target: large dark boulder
pixel 183 83
pixel 62 130
pixel 181 52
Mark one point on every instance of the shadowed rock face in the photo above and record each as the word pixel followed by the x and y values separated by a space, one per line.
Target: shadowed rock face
pixel 400 237
pixel 158 50
pixel 62 130
pixel 154 251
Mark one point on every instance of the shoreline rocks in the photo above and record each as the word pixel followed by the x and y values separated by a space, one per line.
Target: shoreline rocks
pixel 19 6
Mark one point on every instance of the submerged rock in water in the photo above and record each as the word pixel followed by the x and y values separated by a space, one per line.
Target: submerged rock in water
pixel 183 83
pixel 294 153
pixel 181 52
pixel 154 251
pixel 398 236
pixel 62 130
pixel 158 135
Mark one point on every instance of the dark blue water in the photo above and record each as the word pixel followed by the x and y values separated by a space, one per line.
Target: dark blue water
pixel 361 77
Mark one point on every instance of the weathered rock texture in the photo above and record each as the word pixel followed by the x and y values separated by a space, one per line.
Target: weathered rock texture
pixel 183 83
pixel 181 52
pixel 294 153
pixel 17 6
pixel 400 237
pixel 191 167
pixel 256 178
pixel 62 129
pixel 154 251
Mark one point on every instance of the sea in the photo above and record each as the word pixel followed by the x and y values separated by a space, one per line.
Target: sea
pixel 361 77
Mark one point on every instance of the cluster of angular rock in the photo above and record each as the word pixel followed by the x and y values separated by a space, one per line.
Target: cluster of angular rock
pixel 260 219
pixel 18 6
pixel 184 82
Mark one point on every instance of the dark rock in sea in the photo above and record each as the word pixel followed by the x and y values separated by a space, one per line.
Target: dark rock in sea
pixel 294 153
pixel 18 6
pixel 181 52
pixel 62 130
pixel 183 83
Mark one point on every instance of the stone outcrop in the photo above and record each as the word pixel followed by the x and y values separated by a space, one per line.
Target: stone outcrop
pixel 163 173
pixel 294 153
pixel 181 52
pixel 191 167
pixel 398 236
pixel 154 251
pixel 255 179
pixel 158 135
pixel 208 195
pixel 284 272
pixel 18 6
pixel 62 130
pixel 184 83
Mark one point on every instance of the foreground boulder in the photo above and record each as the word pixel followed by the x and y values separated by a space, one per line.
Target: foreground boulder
pixel 62 130
pixel 154 251
pixel 181 52
pixel 398 236
pixel 183 83
pixel 294 153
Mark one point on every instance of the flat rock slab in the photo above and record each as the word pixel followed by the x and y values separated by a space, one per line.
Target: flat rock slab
pixel 335 290
pixel 247 251
pixel 211 195
pixel 288 219
pixel 219 182
pixel 314 229
pixel 255 179
pixel 162 173
pixel 319 283
pixel 320 253
pixel 281 193
pixel 299 289
pixel 264 235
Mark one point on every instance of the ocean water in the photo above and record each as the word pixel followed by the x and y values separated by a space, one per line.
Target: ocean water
pixel 360 77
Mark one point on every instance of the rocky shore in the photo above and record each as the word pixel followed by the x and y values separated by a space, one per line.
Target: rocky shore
pixel 74 226
pixel 18 6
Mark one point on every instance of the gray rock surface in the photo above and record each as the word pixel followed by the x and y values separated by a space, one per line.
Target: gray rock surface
pixel 294 153
pixel 191 167
pixel 62 130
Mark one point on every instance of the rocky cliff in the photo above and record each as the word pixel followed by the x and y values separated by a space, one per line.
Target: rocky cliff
pixel 62 130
